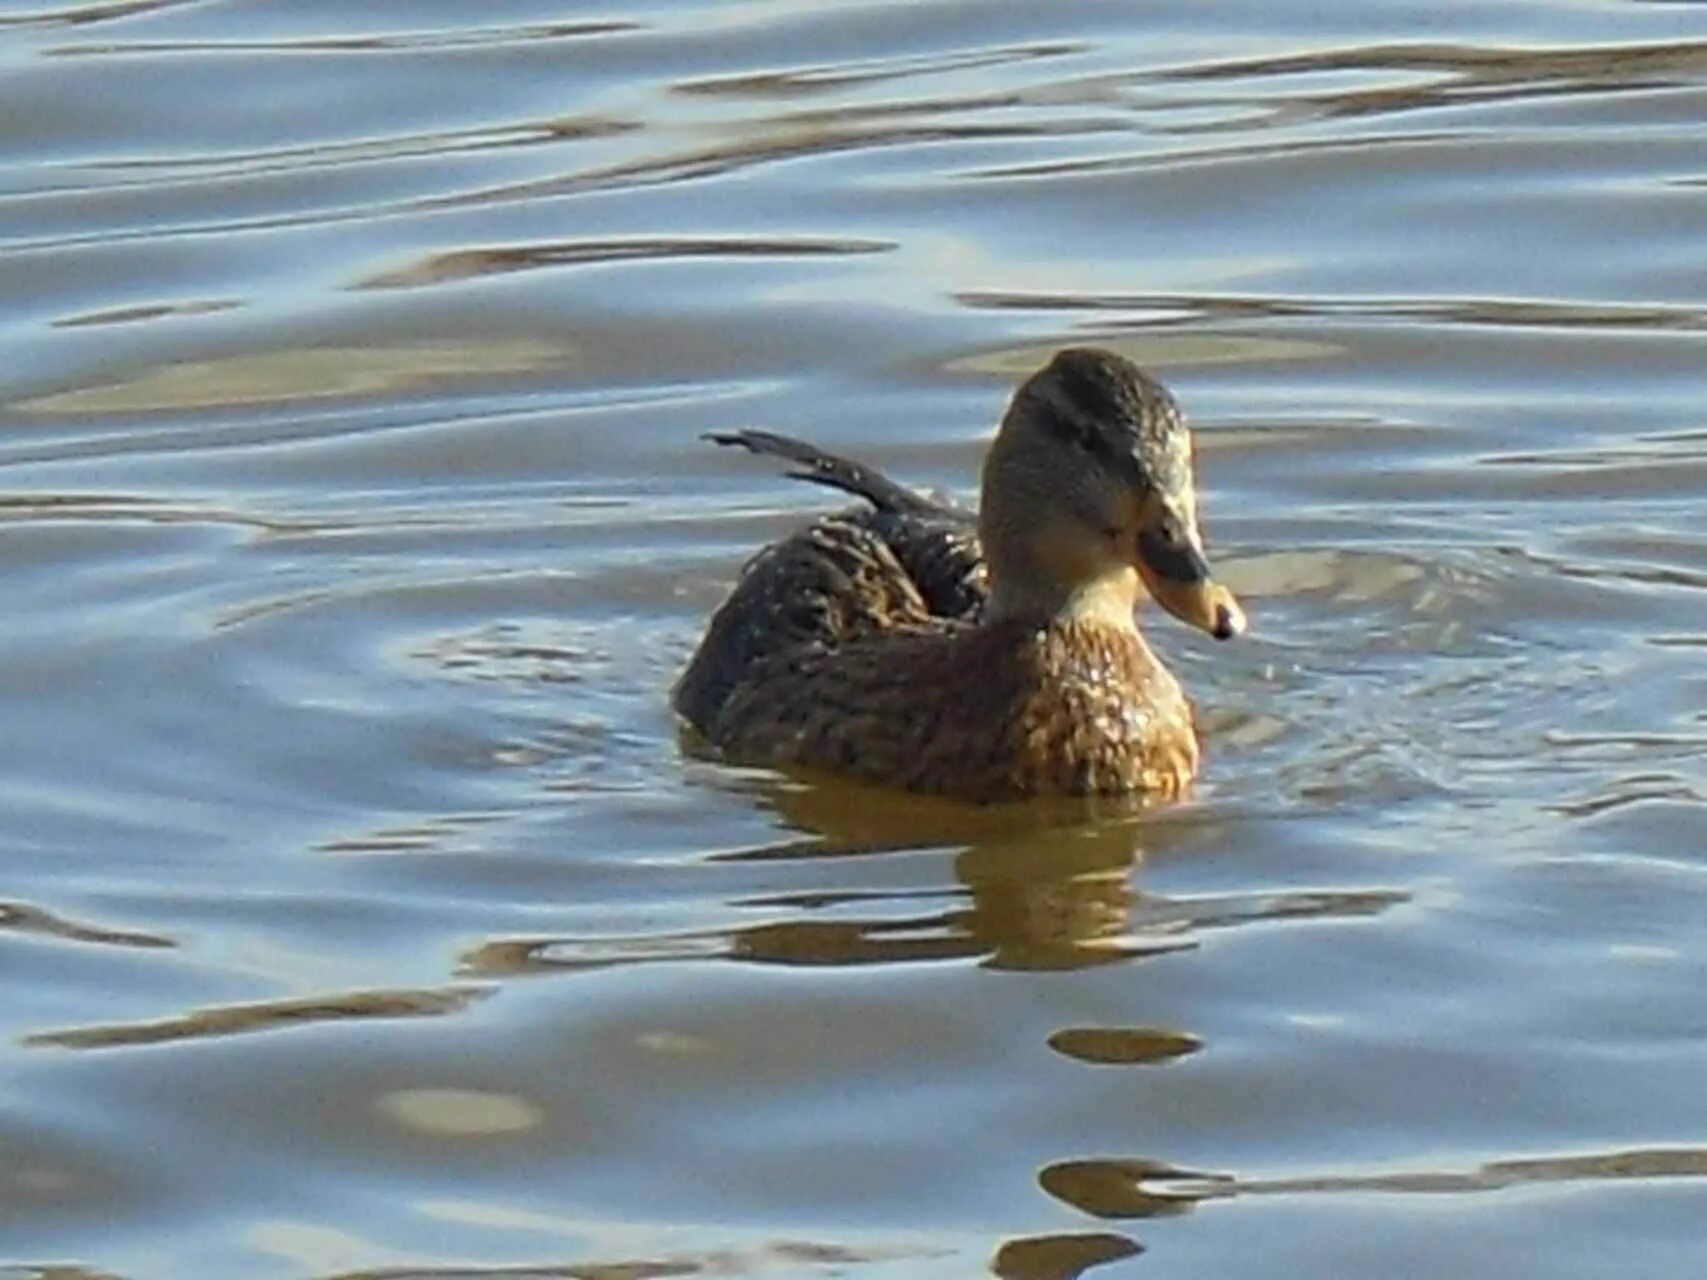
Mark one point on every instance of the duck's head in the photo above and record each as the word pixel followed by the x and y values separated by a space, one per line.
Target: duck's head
pixel 1088 489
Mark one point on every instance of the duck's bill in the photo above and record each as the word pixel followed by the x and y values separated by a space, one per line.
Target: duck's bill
pixel 1178 578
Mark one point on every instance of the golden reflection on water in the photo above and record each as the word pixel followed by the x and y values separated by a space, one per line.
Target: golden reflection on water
pixel 1145 1188
pixel 303 373
pixel 1063 1256
pixel 458 1112
pixel 473 264
pixel 1123 1046
pixel 1130 1188
pixel 28 918
pixel 1497 1175
pixel 1045 886
pixel 63 1272
pixel 1032 892
pixel 332 1255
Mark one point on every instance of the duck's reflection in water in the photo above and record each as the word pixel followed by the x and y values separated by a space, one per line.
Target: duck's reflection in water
pixel 1062 1256
pixel 1130 1188
pixel 868 877
pixel 1035 887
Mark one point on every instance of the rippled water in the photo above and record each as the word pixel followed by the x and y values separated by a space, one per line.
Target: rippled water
pixel 360 915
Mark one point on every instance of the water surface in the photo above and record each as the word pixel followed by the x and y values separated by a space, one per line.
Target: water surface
pixel 360 915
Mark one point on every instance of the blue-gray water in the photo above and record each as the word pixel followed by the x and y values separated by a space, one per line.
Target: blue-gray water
pixel 359 913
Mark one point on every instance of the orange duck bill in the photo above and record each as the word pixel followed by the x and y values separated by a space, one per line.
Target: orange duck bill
pixel 1170 559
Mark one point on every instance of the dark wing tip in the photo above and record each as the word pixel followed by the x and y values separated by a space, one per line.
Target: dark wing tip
pixel 814 464
pixel 746 438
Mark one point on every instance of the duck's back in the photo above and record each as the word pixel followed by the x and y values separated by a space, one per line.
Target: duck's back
pixel 903 565
pixel 995 711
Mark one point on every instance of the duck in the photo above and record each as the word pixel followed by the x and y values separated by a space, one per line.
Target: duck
pixel 912 644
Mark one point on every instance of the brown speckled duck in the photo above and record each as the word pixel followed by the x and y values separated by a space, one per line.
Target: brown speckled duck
pixel 993 657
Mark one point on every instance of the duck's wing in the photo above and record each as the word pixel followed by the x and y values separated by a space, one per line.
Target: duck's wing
pixel 903 564
pixel 814 464
pixel 936 542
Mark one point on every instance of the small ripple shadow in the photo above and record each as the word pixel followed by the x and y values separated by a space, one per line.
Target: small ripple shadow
pixel 471 264
pixel 1144 1188
pixel 23 917
pixel 778 1257
pixel 266 1015
pixel 86 15
pixel 1064 1255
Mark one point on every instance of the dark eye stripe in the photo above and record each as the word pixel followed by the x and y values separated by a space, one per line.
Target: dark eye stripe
pixel 1068 422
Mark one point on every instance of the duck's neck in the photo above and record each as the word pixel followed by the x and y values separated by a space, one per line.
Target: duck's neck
pixel 1105 601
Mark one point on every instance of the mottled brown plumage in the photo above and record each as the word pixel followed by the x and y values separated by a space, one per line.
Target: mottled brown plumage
pixel 911 644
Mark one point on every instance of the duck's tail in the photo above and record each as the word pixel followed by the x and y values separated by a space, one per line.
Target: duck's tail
pixel 813 464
